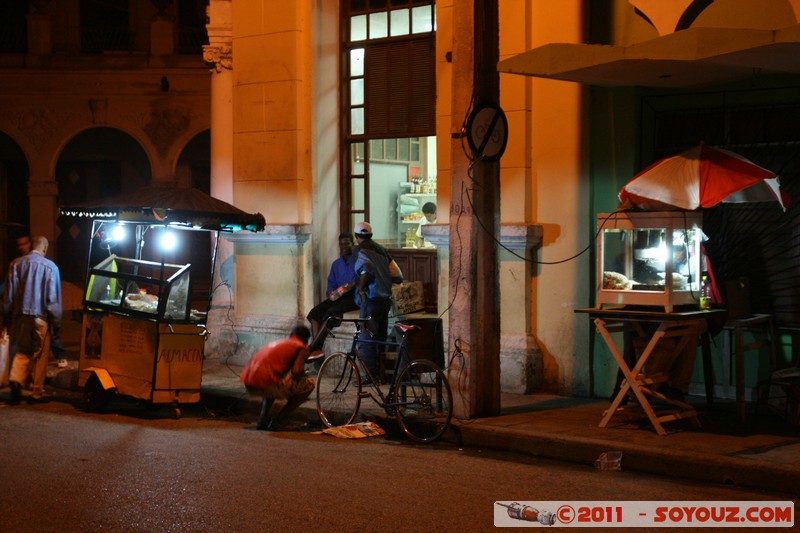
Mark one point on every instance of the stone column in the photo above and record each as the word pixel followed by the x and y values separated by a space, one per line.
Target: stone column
pixel 217 55
pixel 521 359
pixel 474 219
pixel 521 363
pixel 43 196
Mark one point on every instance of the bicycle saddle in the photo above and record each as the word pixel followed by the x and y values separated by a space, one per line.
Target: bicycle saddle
pixel 405 328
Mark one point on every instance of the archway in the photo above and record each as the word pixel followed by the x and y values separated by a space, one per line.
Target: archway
pixel 14 204
pixel 194 170
pixel 194 163
pixel 96 163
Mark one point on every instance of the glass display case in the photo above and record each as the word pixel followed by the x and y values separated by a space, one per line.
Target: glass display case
pixel 140 337
pixel 141 289
pixel 650 258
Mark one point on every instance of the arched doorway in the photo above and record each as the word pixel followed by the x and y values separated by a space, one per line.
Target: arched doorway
pixel 96 163
pixel 194 170
pixel 194 163
pixel 14 204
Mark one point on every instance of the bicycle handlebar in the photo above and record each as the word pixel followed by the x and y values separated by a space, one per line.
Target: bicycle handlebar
pixel 354 320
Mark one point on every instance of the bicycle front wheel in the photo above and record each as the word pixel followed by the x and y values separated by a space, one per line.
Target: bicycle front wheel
pixel 424 401
pixel 338 390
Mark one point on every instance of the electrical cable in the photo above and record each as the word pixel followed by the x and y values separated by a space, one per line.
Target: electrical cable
pixel 228 311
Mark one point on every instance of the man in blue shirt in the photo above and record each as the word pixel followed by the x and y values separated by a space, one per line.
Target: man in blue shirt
pixel 32 304
pixel 341 284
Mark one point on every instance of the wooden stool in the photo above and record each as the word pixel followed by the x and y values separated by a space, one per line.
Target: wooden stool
pixel 736 328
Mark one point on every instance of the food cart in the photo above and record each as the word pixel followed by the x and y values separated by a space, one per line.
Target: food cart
pixel 140 336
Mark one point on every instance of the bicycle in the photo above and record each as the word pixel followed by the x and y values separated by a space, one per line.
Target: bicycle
pixel 418 397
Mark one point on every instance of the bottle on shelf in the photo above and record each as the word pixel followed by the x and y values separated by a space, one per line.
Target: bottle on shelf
pixel 705 292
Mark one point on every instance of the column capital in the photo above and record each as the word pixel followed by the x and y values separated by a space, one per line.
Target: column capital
pixel 521 236
pixel 293 234
pixel 218 56
pixel 218 52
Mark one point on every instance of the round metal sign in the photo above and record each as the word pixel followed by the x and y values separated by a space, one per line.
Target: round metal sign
pixel 487 132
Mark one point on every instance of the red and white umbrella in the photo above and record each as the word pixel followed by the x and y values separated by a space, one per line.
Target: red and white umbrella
pixel 701 177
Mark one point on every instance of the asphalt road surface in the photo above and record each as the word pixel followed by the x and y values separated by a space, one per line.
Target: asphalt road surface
pixel 131 470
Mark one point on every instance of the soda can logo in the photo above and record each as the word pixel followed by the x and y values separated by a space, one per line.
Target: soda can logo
pixel 526 513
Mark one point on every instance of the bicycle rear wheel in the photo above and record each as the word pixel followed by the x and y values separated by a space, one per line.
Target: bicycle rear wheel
pixel 424 401
pixel 338 390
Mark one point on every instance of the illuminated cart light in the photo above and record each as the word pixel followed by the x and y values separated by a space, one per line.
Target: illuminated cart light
pixel 168 241
pixel 118 233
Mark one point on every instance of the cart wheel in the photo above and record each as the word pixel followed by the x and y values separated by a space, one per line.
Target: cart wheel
pixel 95 397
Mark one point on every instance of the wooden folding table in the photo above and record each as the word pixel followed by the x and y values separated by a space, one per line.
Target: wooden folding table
pixel 653 327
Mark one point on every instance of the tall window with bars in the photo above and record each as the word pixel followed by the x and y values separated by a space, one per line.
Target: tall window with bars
pixel 388 85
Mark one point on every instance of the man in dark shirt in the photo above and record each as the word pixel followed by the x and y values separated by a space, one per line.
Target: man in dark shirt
pixel 377 271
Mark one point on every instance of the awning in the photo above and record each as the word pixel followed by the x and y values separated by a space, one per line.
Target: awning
pixel 167 204
pixel 688 58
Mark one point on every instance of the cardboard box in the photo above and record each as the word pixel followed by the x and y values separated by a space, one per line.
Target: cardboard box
pixel 408 298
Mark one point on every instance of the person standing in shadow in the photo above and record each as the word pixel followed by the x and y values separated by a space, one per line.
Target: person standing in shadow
pixel 32 306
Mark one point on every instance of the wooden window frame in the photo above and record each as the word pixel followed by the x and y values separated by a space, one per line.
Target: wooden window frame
pixel 399 93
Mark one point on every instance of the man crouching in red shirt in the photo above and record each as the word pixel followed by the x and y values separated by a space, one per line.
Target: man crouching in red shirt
pixel 275 372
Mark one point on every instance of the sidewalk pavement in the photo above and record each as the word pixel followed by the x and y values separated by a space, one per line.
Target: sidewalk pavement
pixel 764 453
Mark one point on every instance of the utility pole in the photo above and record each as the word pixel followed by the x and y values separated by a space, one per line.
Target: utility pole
pixel 474 316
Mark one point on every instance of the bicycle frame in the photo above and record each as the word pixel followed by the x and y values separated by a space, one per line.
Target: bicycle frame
pixel 419 395
pixel 403 360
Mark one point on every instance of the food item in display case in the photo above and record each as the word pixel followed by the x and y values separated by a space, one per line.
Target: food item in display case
pixel 616 281
pixel 147 303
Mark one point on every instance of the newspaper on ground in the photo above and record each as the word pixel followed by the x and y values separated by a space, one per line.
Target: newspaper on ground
pixel 355 431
